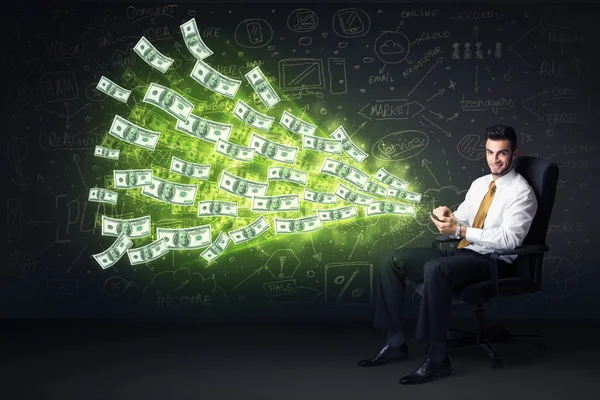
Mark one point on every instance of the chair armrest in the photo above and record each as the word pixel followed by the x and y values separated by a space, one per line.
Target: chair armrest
pixel 443 239
pixel 525 249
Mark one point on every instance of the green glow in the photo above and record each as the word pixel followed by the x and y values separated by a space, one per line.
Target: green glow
pixel 218 108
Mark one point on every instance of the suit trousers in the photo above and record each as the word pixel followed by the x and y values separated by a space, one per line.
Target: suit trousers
pixel 442 272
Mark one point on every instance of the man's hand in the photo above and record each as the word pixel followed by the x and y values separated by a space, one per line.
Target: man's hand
pixel 448 224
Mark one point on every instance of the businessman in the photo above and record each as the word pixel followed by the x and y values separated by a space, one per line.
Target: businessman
pixel 496 214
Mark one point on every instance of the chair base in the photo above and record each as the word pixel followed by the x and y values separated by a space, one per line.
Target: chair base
pixel 485 337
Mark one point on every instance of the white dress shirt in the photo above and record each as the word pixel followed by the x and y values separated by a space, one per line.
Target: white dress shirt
pixel 508 219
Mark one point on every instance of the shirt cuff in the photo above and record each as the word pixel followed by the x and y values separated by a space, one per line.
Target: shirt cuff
pixel 473 235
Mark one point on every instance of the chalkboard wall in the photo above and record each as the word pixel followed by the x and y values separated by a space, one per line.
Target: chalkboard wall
pixel 413 86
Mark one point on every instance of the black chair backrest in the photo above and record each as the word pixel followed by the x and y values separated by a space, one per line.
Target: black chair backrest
pixel 542 176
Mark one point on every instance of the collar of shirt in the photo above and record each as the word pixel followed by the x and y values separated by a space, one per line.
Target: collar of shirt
pixel 504 180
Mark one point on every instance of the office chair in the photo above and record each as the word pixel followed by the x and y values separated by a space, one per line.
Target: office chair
pixel 542 176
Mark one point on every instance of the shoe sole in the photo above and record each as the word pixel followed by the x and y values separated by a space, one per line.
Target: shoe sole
pixel 440 375
pixel 390 361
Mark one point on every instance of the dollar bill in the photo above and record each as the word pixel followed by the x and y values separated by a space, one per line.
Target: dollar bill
pixel 168 101
pixel 170 192
pixel 132 178
pixel 252 231
pixel 337 214
pixel 235 185
pixel 151 56
pixel 298 225
pixel 388 207
pixel 345 193
pixel 193 40
pixel 134 228
pixel 131 133
pixel 348 145
pixel 288 202
pixel 147 253
pixel 319 197
pixel 252 117
pixel 204 129
pixel 345 172
pixel 214 81
pixel 186 238
pixel 115 91
pixel 296 125
pixel 234 151
pixel 214 208
pixel 322 145
pixel 217 248
pixel 262 87
pixel 375 189
pixel 393 181
pixel 186 168
pixel 99 195
pixel 404 195
pixel 274 151
pixel 105 152
pixel 110 256
pixel 287 175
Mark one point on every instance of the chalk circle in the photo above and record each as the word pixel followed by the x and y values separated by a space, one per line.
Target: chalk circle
pixel 94 94
pixel 306 51
pixel 324 35
pixel 323 111
pixel 176 63
pixel 356 293
pixel 302 20
pixel 95 168
pixel 231 259
pixel 192 13
pixel 271 48
pixel 240 54
pixel 187 90
pixel 88 118
pixel 392 47
pixel 310 273
pixel 339 280
pixel 305 41
pixel 114 286
pixel 253 33
pixel 342 45
pixel 87 68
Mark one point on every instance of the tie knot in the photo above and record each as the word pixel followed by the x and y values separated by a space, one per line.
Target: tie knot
pixel 493 185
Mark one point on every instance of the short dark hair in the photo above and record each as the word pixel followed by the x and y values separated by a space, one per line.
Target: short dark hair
pixel 502 132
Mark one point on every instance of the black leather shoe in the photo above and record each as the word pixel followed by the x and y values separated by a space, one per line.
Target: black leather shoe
pixel 386 354
pixel 427 372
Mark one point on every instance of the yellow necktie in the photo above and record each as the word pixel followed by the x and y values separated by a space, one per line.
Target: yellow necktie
pixel 482 212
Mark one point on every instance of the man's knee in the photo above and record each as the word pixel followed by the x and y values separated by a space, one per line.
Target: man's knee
pixel 433 269
pixel 389 260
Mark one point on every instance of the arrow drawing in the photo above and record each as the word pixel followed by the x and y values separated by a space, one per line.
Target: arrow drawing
pixel 41 179
pixel 506 75
pixel 425 164
pixel 540 118
pixel 440 92
pixel 34 223
pixel 76 160
pixel 439 60
pixel 449 134
pixel 510 48
pixel 359 128
pixel 358 239
pixel 476 88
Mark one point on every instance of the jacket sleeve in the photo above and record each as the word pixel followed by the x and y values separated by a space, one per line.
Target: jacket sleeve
pixel 516 221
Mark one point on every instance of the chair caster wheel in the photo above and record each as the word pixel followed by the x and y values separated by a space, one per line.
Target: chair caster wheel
pixel 496 363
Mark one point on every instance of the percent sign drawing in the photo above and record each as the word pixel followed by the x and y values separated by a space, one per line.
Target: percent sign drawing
pixel 349 283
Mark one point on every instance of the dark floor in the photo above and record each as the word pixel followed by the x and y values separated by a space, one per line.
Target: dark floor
pixel 147 360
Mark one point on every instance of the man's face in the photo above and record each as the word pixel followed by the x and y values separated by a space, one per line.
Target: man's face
pixel 168 191
pixel 183 238
pixel 188 169
pixel 169 98
pixel 146 253
pixel 499 157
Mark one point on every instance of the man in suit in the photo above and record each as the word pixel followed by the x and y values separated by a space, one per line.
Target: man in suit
pixel 496 214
